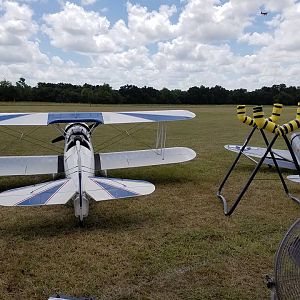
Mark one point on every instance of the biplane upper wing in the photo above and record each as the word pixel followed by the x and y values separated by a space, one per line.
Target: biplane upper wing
pixel 142 158
pixel 283 157
pixel 31 165
pixel 41 119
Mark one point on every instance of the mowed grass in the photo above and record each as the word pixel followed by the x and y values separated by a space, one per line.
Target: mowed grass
pixel 173 244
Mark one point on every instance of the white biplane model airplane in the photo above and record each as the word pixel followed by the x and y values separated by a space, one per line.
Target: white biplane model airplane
pixel 79 162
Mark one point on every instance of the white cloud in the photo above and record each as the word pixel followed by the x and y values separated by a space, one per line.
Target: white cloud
pixel 75 29
pixel 126 60
pixel 83 31
pixel 255 38
pixel 57 61
pixel 17 29
pixel 209 21
pixel 275 5
pixel 149 26
pixel 87 2
pixel 286 34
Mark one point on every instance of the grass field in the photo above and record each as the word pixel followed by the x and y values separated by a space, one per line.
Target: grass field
pixel 173 244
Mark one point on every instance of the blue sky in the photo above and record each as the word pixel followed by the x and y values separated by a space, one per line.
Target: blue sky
pixel 171 43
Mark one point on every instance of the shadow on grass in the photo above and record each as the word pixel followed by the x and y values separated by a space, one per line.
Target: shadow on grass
pixel 158 176
pixel 263 169
pixel 30 228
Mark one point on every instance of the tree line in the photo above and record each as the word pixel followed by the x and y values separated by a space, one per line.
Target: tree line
pixel 131 94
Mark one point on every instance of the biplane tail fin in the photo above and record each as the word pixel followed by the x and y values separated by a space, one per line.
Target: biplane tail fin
pixel 48 193
pixel 101 188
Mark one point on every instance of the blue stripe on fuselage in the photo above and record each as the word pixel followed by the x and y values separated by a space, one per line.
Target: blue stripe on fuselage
pixel 75 117
pixel 11 116
pixel 158 118
pixel 41 198
pixel 116 192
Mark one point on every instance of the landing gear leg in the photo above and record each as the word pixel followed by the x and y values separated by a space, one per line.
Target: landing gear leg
pixel 81 222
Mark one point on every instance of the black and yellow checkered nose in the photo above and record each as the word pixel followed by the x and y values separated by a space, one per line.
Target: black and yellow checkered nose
pixel 260 120
pixel 241 114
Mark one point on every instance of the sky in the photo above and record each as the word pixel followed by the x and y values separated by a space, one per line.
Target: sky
pixel 175 44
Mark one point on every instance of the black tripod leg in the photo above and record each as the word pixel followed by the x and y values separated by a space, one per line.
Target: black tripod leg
pixel 228 213
pixel 236 160
pixel 276 164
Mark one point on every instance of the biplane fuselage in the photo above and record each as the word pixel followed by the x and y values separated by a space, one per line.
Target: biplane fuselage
pixel 79 163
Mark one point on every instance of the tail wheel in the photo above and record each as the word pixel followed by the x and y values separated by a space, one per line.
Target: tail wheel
pixel 81 222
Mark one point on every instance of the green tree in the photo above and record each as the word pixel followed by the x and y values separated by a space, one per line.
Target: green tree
pixel 23 90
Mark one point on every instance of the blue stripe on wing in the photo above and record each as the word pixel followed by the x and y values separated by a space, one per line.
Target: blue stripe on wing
pixel 154 117
pixel 42 197
pixel 75 117
pixel 11 116
pixel 116 192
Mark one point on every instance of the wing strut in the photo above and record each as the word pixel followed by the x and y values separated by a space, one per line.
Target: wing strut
pixel 161 137
pixel 269 125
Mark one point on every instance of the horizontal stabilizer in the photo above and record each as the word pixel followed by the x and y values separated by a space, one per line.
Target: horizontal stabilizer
pixel 283 157
pixel 31 165
pixel 97 117
pixel 53 192
pixel 141 158
pixel 100 188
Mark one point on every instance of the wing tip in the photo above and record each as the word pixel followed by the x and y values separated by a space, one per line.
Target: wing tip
pixel 188 114
pixel 192 154
pixel 192 115
pixel 294 178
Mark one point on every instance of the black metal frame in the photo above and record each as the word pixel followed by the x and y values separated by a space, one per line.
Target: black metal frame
pixel 229 211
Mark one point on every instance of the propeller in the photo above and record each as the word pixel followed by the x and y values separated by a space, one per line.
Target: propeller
pixel 58 139
pixel 93 126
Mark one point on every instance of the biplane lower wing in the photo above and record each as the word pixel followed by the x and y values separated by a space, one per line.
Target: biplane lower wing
pixel 142 158
pixel 48 193
pixel 294 178
pixel 41 119
pixel 101 189
pixel 54 164
pixel 283 157
pixel 31 165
